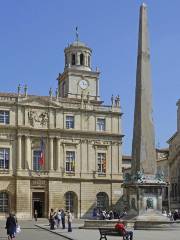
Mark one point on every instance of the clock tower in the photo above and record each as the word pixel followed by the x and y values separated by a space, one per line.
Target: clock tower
pixel 78 77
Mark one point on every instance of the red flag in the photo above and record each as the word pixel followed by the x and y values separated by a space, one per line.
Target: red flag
pixel 41 159
pixel 42 155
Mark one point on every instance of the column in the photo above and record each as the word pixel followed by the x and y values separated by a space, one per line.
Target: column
pixel 19 152
pixel 58 154
pixel 78 59
pixel 27 152
pixel 51 153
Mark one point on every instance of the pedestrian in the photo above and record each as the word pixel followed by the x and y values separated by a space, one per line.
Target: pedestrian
pixel 94 213
pixel 63 218
pixel 11 224
pixel 35 214
pixel 58 218
pixel 175 215
pixel 120 226
pixel 69 218
pixel 111 215
pixel 52 219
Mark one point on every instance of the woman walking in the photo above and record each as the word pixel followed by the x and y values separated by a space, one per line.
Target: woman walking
pixel 11 227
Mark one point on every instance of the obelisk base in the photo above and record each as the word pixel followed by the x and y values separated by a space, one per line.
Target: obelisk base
pixel 145 206
pixel 143 197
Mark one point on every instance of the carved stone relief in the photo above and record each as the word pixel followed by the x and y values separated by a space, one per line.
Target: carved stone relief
pixel 36 117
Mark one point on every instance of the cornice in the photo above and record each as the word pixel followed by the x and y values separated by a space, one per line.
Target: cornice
pixel 57 132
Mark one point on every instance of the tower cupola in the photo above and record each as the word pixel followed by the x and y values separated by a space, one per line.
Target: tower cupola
pixel 78 56
pixel 78 79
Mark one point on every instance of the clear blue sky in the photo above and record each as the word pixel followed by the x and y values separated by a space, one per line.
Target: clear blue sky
pixel 33 35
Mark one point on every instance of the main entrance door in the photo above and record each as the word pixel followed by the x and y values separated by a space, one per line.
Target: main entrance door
pixel 38 203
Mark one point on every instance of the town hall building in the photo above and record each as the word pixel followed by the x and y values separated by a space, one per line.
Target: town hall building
pixel 63 150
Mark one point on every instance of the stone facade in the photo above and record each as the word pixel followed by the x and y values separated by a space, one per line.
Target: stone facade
pixel 162 159
pixel 61 151
pixel 174 164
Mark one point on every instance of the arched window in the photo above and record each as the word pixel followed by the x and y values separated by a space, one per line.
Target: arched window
pixel 102 200
pixel 71 202
pixel 73 60
pixel 4 202
pixel 81 59
pixel 88 61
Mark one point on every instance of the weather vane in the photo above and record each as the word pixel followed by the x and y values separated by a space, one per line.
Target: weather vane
pixel 77 34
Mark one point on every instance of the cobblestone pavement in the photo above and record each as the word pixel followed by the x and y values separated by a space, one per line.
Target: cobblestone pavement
pixel 29 232
pixel 84 234
pixel 32 232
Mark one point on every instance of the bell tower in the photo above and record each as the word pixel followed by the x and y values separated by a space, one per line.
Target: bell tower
pixel 78 77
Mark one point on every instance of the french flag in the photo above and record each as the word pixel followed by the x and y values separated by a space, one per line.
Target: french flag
pixel 42 155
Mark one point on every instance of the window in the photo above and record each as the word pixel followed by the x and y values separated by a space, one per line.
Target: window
pixel 81 59
pixel 4 158
pixel 102 201
pixel 88 61
pixel 70 161
pixel 73 62
pixel 69 121
pixel 101 124
pixel 36 160
pixel 66 61
pixel 101 163
pixel 69 198
pixel 4 117
pixel 4 202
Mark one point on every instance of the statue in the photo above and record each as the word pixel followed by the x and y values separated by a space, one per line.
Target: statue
pixel 50 92
pixel 25 90
pixel 112 100
pixel 19 89
pixel 140 175
pixel 118 100
pixel 127 177
pixel 149 203
pixel 57 93
pixel 43 118
pixel 160 175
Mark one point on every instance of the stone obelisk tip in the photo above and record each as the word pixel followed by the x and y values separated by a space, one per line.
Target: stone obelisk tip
pixel 144 4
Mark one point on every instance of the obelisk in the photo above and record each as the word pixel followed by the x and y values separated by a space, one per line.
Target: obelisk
pixel 144 185
pixel 143 147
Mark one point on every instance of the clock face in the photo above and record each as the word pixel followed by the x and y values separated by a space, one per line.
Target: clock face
pixel 83 84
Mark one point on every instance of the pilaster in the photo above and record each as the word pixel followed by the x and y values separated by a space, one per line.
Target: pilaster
pixel 27 152
pixel 51 157
pixel 58 155
pixel 19 152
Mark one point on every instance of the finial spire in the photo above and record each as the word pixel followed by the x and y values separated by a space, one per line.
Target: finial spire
pixel 19 89
pixel 25 90
pixel 77 34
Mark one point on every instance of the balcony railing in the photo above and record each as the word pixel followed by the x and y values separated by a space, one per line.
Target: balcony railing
pixel 4 171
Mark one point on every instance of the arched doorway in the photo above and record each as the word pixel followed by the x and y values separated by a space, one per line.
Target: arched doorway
pixel 102 201
pixel 71 202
